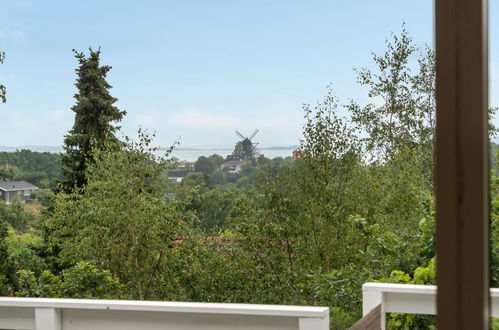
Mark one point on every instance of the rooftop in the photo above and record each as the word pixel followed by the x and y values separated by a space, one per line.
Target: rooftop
pixel 16 185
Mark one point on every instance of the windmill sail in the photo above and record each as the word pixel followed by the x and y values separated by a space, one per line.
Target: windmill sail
pixel 253 134
pixel 240 135
pixel 248 148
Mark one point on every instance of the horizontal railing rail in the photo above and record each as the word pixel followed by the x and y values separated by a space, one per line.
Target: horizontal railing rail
pixel 408 298
pixel 79 314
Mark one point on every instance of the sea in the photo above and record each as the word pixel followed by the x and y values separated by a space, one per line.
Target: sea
pixel 191 155
pixel 187 154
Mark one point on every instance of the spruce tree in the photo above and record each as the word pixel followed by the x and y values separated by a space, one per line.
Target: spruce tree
pixel 93 125
pixel 3 99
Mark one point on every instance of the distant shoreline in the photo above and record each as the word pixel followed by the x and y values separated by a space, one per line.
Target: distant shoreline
pixel 54 149
pixel 51 149
pixel 224 149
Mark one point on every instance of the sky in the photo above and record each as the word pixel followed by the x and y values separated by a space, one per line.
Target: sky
pixel 195 71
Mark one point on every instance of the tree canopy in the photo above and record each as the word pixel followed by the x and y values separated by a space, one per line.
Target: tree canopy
pixel 122 220
pixel 95 115
pixel 357 206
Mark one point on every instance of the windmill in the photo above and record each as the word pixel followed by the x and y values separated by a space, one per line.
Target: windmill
pixel 248 147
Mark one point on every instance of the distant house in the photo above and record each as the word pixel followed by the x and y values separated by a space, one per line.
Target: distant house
pixel 182 169
pixel 185 165
pixel 233 165
pixel 10 189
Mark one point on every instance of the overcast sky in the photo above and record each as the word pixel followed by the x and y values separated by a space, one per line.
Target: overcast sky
pixel 198 70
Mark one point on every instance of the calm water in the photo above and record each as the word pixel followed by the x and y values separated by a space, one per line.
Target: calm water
pixel 192 155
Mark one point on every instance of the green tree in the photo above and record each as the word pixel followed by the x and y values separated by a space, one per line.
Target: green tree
pixel 494 225
pixel 44 196
pixel 324 179
pixel 195 180
pixel 122 220
pixel 16 215
pixel 399 131
pixel 238 148
pixel 218 178
pixel 204 165
pixel 421 275
pixel 216 160
pixel 5 266
pixel 23 253
pixel 2 87
pixel 403 123
pixel 83 281
pixel 396 121
pixel 95 114
pixel 39 179
pixel 8 172
pixel 213 208
pixel 27 161
pixel 351 209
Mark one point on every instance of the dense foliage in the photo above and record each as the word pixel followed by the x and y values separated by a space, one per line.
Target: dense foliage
pixel 121 221
pixel 356 206
pixel 42 169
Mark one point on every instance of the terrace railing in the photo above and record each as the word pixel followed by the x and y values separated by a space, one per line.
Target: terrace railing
pixel 408 298
pixel 79 314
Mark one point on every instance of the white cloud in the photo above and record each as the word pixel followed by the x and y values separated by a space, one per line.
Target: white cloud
pixel 191 127
pixel 209 120
pixel 62 118
pixel 147 121
pixel 24 122
pixel 11 34
pixel 204 120
pixel 276 126
pixel 40 128
pixel 194 127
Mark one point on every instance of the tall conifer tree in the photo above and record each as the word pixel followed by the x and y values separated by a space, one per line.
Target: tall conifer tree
pixel 94 116
pixel 3 99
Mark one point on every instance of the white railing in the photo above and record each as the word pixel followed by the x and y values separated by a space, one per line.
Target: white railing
pixel 80 314
pixel 408 298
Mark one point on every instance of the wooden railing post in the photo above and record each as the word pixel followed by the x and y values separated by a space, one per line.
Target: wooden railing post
pixel 314 323
pixel 372 297
pixel 48 319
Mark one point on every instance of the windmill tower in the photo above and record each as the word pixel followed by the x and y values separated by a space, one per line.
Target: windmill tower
pixel 248 146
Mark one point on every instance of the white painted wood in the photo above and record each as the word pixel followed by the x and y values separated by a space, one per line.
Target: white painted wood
pixel 48 319
pixel 404 288
pixel 84 319
pixel 163 306
pixel 408 298
pixel 413 303
pixel 371 297
pixel 494 302
pixel 17 318
pixel 382 316
pixel 313 323
pixel 79 314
